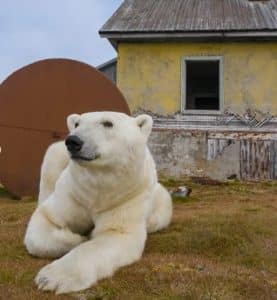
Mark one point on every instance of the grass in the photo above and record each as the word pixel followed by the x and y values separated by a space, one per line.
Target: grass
pixel 222 244
pixel 6 194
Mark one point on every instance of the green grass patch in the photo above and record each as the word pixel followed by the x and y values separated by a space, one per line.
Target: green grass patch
pixel 7 277
pixel 224 238
pixel 189 199
pixel 4 193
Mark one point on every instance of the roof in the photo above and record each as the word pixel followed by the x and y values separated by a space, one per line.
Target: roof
pixel 107 64
pixel 184 18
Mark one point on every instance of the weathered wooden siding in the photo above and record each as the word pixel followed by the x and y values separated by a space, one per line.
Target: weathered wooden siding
pixel 256 161
pixel 273 156
pixel 216 154
pixel 216 147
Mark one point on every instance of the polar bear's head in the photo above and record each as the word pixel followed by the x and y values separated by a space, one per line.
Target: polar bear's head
pixel 106 138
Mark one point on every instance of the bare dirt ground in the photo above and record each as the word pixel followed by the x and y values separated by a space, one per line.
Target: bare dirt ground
pixel 222 244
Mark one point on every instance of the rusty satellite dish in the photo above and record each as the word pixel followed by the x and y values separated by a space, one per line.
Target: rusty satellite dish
pixel 34 104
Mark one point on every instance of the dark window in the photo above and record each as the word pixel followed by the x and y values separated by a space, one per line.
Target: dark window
pixel 202 84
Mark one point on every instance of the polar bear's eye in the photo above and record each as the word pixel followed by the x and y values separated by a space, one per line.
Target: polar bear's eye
pixel 76 125
pixel 107 124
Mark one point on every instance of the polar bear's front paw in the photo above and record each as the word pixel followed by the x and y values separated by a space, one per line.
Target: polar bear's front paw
pixel 54 277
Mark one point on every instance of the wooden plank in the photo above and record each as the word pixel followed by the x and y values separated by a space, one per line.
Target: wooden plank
pixel 273 159
pixel 255 160
pixel 216 147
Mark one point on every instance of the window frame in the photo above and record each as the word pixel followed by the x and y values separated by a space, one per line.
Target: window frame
pixel 185 59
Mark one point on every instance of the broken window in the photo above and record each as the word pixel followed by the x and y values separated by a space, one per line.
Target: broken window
pixel 202 84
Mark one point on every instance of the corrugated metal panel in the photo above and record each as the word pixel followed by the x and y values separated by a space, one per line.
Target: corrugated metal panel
pixel 193 15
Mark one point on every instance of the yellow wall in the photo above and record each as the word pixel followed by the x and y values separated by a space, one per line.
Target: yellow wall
pixel 149 74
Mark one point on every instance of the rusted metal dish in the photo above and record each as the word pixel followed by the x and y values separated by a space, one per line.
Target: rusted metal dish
pixel 34 104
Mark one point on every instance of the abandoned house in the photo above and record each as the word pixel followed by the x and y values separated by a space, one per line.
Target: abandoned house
pixel 207 72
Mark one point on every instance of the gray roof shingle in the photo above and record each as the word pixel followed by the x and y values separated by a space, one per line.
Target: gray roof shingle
pixel 167 16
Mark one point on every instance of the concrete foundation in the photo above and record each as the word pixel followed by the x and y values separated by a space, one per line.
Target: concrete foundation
pixel 219 155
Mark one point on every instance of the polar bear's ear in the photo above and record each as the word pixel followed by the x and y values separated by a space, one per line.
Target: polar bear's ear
pixel 145 123
pixel 73 121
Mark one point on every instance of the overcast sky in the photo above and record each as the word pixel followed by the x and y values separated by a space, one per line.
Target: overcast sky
pixel 37 29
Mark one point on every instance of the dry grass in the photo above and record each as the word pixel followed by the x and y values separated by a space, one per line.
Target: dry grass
pixel 222 244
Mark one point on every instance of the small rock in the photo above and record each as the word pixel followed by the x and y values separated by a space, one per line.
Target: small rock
pixel 199 268
pixel 181 191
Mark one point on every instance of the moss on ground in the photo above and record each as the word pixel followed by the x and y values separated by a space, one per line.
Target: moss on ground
pixel 4 193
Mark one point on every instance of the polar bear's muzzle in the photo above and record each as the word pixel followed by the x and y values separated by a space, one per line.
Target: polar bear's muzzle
pixel 74 146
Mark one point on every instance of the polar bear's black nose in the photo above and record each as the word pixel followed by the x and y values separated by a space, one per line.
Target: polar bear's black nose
pixel 73 143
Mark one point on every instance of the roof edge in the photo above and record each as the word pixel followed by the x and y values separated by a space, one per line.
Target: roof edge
pixel 108 62
pixel 230 36
pixel 168 35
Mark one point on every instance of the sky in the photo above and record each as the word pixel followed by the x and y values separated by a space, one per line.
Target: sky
pixel 31 30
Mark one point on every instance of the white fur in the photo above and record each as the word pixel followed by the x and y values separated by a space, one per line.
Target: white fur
pixel 117 192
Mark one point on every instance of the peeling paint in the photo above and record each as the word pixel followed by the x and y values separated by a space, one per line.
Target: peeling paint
pixel 149 74
pixel 246 156
pixel 255 160
pixel 241 143
pixel 255 119
pixel 216 147
pixel 226 163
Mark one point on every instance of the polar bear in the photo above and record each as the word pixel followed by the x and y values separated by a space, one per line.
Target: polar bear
pixel 99 196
